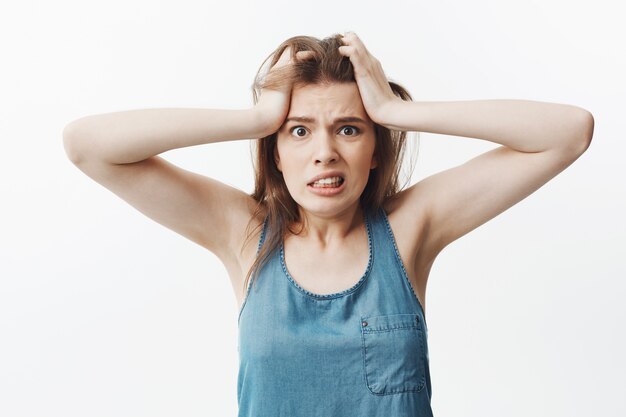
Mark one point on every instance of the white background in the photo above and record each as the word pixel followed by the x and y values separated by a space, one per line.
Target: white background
pixel 104 312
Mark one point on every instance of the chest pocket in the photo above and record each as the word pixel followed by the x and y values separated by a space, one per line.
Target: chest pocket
pixel 394 353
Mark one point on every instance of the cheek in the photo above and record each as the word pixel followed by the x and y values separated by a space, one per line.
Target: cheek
pixel 280 156
pixel 366 155
pixel 290 167
pixel 291 158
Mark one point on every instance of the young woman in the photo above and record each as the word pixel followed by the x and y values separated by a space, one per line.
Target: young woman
pixel 329 260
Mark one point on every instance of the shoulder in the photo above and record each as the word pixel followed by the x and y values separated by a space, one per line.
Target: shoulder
pixel 252 228
pixel 409 221
pixel 246 235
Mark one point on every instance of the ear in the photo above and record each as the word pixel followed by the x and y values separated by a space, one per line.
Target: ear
pixel 277 159
pixel 374 162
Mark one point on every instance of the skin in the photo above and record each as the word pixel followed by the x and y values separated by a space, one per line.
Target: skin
pixel 538 140
pixel 306 149
pixel 335 240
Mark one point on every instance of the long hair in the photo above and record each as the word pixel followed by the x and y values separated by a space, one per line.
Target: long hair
pixel 327 66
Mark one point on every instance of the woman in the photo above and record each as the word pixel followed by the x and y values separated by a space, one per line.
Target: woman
pixel 332 297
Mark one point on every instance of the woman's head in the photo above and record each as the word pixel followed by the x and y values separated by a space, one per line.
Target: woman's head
pixel 367 155
pixel 327 131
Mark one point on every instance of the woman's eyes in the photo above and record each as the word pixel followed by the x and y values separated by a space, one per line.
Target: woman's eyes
pixel 303 129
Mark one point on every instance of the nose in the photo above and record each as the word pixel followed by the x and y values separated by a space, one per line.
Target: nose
pixel 325 152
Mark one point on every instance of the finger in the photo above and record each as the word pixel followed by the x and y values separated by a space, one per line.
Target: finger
pixel 286 54
pixel 346 50
pixel 356 56
pixel 351 38
pixel 284 57
pixel 305 54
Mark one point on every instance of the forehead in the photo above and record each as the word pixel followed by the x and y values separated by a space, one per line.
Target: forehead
pixel 327 101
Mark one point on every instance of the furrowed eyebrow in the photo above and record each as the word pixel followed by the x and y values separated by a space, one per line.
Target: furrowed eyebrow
pixel 348 119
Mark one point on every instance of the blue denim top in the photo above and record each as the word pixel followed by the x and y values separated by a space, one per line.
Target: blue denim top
pixel 361 352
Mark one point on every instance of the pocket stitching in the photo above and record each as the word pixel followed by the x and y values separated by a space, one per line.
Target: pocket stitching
pixel 409 327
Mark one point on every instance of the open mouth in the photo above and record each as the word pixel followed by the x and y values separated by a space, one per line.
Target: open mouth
pixel 333 182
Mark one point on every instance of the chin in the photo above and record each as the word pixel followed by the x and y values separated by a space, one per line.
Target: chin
pixel 329 207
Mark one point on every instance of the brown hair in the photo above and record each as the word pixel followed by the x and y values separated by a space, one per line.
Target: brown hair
pixel 270 192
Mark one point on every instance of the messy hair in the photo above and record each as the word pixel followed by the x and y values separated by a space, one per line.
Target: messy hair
pixel 326 66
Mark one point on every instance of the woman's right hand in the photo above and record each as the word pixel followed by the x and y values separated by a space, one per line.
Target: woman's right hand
pixel 272 106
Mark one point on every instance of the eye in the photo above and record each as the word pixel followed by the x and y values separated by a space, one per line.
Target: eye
pixel 302 130
pixel 355 129
pixel 298 128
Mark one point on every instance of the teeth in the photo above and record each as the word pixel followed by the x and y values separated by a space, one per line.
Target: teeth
pixel 328 181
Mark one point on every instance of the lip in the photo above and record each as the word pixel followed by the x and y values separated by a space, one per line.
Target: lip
pixel 326 191
pixel 327 174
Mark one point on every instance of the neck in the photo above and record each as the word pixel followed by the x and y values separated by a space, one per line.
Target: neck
pixel 330 230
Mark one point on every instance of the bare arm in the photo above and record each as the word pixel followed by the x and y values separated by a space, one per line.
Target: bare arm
pixel 523 125
pixel 120 151
pixel 134 135
pixel 539 140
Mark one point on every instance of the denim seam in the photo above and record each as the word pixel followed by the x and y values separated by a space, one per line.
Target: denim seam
pixel 364 354
pixel 261 240
pixel 389 329
pixel 401 264
pixel 322 297
pixel 404 324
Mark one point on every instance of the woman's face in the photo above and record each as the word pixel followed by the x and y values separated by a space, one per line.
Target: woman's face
pixel 314 140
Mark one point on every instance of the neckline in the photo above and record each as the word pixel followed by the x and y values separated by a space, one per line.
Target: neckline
pixel 338 294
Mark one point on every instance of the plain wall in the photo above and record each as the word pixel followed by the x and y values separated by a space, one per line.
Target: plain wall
pixel 104 312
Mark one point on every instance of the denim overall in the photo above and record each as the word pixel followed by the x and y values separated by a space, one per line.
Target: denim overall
pixel 361 352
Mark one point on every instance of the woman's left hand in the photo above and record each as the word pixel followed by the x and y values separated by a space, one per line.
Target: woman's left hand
pixel 373 85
